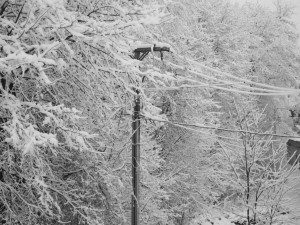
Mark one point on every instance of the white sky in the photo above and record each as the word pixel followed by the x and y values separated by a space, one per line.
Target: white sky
pixel 270 4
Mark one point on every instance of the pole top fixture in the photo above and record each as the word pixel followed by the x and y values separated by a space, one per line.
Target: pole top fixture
pixel 142 51
pixel 154 48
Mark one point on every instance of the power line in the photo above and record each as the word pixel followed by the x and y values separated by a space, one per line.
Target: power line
pixel 239 84
pixel 225 74
pixel 187 125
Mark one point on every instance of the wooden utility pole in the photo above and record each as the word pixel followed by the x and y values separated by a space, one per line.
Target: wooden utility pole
pixel 139 54
pixel 136 123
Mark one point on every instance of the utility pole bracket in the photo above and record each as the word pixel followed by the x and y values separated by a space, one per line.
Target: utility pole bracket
pixel 141 52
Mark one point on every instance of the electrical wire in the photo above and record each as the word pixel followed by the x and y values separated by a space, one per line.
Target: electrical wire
pixel 238 82
pixel 192 126
pixel 235 77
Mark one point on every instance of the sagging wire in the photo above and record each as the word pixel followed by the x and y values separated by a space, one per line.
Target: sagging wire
pixel 238 83
pixel 261 89
pixel 216 86
pixel 193 127
pixel 239 91
pixel 246 81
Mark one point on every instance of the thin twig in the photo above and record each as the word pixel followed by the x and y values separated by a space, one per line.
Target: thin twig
pixel 19 14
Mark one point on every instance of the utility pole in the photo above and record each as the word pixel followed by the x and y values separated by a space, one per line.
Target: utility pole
pixel 135 212
pixel 139 54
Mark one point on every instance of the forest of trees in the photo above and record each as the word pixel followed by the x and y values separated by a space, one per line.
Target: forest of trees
pixel 215 117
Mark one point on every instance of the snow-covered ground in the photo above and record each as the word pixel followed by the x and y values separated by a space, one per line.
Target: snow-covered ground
pixel 218 218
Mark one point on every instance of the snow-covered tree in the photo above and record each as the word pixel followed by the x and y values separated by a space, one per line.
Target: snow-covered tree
pixel 255 174
pixel 221 36
pixel 68 81
pixel 59 163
